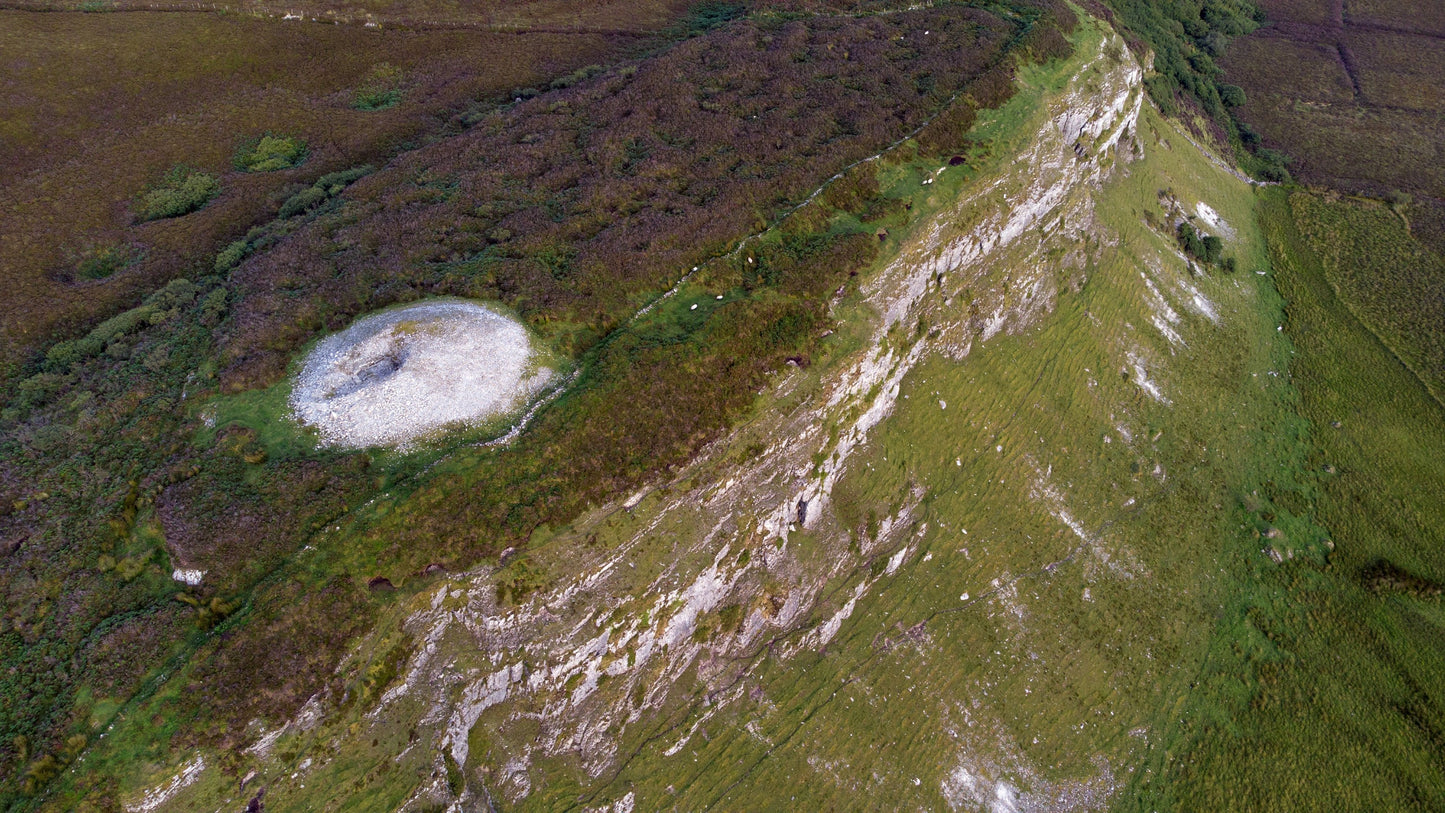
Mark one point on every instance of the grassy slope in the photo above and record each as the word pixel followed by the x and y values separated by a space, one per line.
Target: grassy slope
pixel 918 682
pixel 1219 677
pixel 1058 671
pixel 1336 705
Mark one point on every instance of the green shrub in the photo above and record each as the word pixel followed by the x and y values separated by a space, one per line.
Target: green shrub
pixel 101 263
pixel 576 77
pixel 1273 166
pixel 381 90
pixel 264 236
pixel 301 201
pixel 64 354
pixel 177 293
pixel 269 153
pixel 334 182
pixel 1213 249
pixel 232 255
pixel 708 15
pixel 1206 248
pixel 1189 240
pixel 121 324
pixel 1398 199
pixel 214 306
pixel 181 191
pixel 40 772
pixel 730 618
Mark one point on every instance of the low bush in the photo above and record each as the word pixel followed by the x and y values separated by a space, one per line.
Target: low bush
pixel 269 153
pixel 301 201
pixel 708 15
pixel 1206 248
pixel 383 89
pixel 103 262
pixel 181 191
pixel 334 182
pixel 325 188
pixel 231 256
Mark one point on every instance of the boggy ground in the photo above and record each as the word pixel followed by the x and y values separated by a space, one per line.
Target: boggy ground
pixel 1351 91
pixel 85 135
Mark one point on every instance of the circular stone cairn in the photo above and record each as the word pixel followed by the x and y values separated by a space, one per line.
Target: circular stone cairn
pixel 402 374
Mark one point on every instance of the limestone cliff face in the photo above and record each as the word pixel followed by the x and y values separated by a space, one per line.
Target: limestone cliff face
pixel 605 651
pixel 672 615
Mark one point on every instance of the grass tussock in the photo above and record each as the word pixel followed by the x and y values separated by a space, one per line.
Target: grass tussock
pixel 105 261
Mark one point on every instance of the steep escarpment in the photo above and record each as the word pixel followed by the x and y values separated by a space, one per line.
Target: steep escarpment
pixel 870 442
pixel 123 462
pixel 891 575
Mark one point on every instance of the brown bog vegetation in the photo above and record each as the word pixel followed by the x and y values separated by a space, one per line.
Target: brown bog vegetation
pixel 556 16
pixel 83 138
pixel 576 206
pixel 1352 93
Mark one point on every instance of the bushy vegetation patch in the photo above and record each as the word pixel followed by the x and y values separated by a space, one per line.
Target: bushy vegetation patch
pixel 307 200
pixel 1187 37
pixel 269 153
pixel 103 262
pixel 1206 248
pixel 158 308
pixel 705 16
pixel 383 88
pixel 181 191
